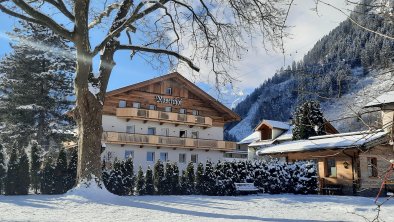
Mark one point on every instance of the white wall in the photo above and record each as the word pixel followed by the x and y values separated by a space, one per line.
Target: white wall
pixel 140 155
pixel 112 123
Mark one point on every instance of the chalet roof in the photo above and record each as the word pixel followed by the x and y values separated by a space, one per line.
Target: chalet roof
pixel 273 124
pixel 191 86
pixel 256 135
pixel 362 139
pixel 385 98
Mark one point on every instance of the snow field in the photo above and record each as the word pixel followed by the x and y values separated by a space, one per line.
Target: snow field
pixel 80 206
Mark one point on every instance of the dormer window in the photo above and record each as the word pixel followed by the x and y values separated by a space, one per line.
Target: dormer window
pixel 169 91
pixel 122 103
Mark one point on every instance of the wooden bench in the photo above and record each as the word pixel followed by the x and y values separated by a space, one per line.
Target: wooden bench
pixel 245 188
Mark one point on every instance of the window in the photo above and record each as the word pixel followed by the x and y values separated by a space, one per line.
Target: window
pixel 122 104
pixel 128 154
pixel 194 158
pixel 165 132
pixel 164 157
pixel 372 167
pixel 169 91
pixel 130 129
pixel 182 158
pixel 331 168
pixel 152 107
pixel 150 156
pixel 182 111
pixel 136 105
pixel 168 109
pixel 195 112
pixel 182 134
pixel 195 135
pixel 151 131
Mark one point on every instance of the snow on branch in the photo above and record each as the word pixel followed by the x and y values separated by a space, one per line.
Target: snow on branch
pixel 103 14
pixel 162 51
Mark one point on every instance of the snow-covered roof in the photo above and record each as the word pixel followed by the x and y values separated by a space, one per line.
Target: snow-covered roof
pixel 251 138
pixel 334 141
pixel 274 124
pixel 288 135
pixel 385 98
pixel 262 143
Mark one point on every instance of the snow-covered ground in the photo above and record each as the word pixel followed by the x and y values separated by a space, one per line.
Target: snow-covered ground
pixel 289 208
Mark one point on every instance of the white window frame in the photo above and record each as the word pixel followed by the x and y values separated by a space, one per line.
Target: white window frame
pixel 168 109
pixel 154 130
pixel 152 155
pixel 182 109
pixel 136 105
pixel 168 91
pixel 122 104
pixel 195 112
pixel 196 133
pixel 130 129
pixel 152 106
pixel 184 158
pixel 165 156
pixel 131 153
pixel 191 158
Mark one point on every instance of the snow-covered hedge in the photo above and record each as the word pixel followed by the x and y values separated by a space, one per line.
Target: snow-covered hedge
pixel 218 179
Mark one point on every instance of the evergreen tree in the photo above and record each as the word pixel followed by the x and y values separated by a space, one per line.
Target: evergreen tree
pixel 12 173
pixel 128 176
pixel 159 177
pixel 168 177
pixel 149 187
pixel 210 179
pixel 36 85
pixel 200 179
pixel 35 167
pixel 72 169
pixel 115 179
pixel 48 176
pixel 190 178
pixel 308 121
pixel 23 182
pixel 184 186
pixel 140 183
pixel 175 187
pixel 61 173
pixel 3 169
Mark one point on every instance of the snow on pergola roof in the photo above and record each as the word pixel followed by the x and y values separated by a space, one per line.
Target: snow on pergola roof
pixel 361 139
pixel 251 138
pixel 385 98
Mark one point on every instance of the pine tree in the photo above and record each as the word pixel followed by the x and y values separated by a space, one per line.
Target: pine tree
pixel 184 186
pixel 168 177
pixel 72 169
pixel 210 179
pixel 190 178
pixel 23 182
pixel 48 176
pixel 3 169
pixel 200 179
pixel 115 179
pixel 35 167
pixel 159 177
pixel 175 186
pixel 149 187
pixel 61 173
pixel 128 176
pixel 140 183
pixel 36 85
pixel 308 121
pixel 12 173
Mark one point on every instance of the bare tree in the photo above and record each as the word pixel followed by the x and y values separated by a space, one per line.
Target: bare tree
pixel 212 30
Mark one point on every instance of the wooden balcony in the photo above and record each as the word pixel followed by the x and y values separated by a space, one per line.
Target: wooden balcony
pixel 166 141
pixel 163 117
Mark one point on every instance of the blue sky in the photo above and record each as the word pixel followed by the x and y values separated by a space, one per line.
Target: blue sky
pixel 306 27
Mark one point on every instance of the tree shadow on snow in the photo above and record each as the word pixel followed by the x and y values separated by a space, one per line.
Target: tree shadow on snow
pixel 36 201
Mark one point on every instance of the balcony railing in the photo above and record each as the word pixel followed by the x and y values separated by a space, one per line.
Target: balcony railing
pixel 167 141
pixel 161 116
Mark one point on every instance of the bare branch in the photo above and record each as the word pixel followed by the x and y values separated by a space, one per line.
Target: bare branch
pixel 103 14
pixel 44 19
pixel 20 16
pixel 161 51
pixel 62 8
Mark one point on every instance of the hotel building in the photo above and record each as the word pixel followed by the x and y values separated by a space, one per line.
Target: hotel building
pixel 167 118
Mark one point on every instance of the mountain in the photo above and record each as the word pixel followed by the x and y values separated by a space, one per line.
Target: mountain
pixel 344 70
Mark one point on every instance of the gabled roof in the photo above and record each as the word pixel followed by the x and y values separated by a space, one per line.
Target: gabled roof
pixel 363 139
pixel 273 124
pixel 191 87
pixel 385 98
pixel 256 135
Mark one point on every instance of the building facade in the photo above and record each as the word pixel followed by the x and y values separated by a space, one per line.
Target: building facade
pixel 166 118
